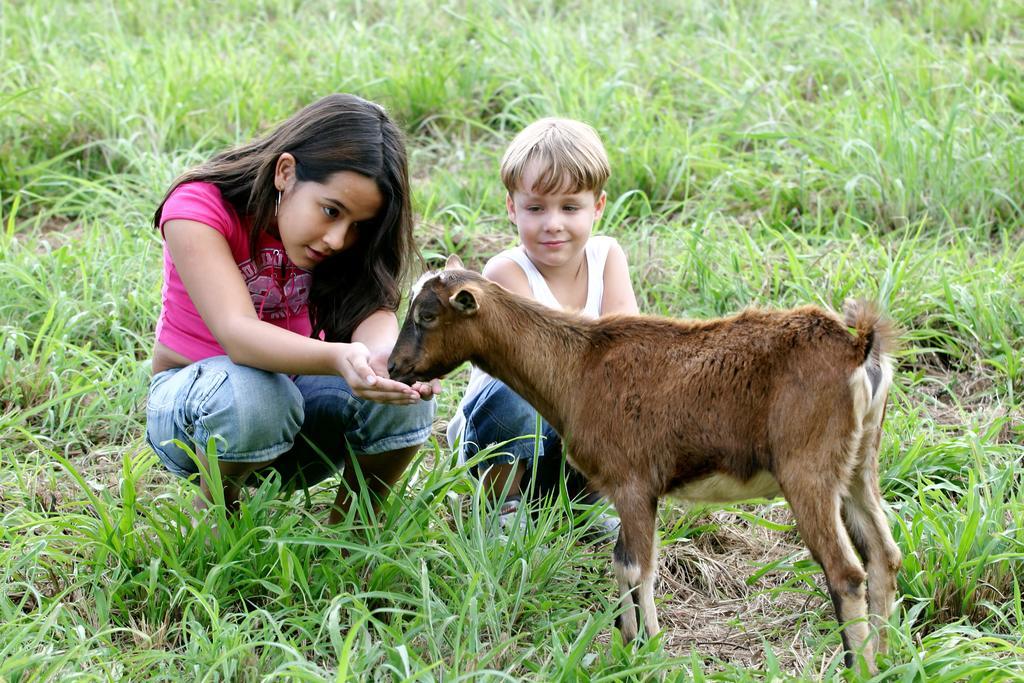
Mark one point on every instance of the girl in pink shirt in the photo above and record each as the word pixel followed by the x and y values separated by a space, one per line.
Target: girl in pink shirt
pixel 282 267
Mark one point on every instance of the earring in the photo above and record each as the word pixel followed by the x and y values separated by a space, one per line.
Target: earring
pixel 277 204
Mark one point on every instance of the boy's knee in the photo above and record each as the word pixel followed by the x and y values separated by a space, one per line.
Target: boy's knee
pixel 501 416
pixel 508 410
pixel 502 393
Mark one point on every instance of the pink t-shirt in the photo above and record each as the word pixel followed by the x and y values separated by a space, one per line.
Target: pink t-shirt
pixel 279 288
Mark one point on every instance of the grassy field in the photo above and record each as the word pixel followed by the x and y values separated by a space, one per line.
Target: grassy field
pixel 775 153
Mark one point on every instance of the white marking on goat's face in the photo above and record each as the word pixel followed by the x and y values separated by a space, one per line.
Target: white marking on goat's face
pixel 426 277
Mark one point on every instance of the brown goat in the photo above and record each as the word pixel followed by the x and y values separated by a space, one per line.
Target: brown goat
pixel 754 405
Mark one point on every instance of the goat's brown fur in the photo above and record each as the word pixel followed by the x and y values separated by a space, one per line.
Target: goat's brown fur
pixel 762 403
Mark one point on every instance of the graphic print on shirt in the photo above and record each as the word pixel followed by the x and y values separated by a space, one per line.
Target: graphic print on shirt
pixel 277 293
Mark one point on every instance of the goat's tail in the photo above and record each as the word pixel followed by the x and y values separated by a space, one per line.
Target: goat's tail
pixel 877 333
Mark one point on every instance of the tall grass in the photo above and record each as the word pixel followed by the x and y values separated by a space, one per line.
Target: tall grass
pixel 770 153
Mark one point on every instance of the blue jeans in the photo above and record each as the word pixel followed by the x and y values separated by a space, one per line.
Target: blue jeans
pixel 306 426
pixel 496 415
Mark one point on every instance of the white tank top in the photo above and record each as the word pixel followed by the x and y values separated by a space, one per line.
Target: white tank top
pixel 596 253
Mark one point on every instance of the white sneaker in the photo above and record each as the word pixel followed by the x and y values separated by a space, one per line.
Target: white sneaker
pixel 510 519
pixel 604 525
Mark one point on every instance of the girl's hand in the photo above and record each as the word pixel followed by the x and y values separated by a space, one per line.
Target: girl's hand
pixel 355 366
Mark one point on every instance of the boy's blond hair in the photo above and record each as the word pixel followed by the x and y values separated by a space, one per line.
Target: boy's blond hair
pixel 569 153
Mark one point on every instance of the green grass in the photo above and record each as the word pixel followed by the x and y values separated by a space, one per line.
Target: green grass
pixel 762 152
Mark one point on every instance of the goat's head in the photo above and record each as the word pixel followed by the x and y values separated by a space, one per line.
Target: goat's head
pixel 434 339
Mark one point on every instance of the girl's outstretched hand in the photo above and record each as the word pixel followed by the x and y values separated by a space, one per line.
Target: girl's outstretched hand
pixel 354 366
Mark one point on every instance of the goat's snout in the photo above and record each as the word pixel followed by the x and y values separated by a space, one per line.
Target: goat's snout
pixel 399 369
pixel 397 372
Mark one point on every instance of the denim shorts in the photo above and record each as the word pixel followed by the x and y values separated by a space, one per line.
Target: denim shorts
pixel 499 416
pixel 307 425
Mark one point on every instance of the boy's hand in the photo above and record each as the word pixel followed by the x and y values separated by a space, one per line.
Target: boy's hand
pixel 356 366
pixel 428 390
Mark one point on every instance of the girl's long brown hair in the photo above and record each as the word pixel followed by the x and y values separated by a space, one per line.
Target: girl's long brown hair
pixel 337 133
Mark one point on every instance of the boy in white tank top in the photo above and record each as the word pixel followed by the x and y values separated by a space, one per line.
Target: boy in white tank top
pixel 555 171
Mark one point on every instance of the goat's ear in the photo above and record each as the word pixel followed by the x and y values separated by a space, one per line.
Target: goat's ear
pixel 464 301
pixel 454 263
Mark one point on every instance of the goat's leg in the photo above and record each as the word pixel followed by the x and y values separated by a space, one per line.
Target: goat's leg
pixel 864 515
pixel 634 560
pixel 647 609
pixel 627 575
pixel 816 506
